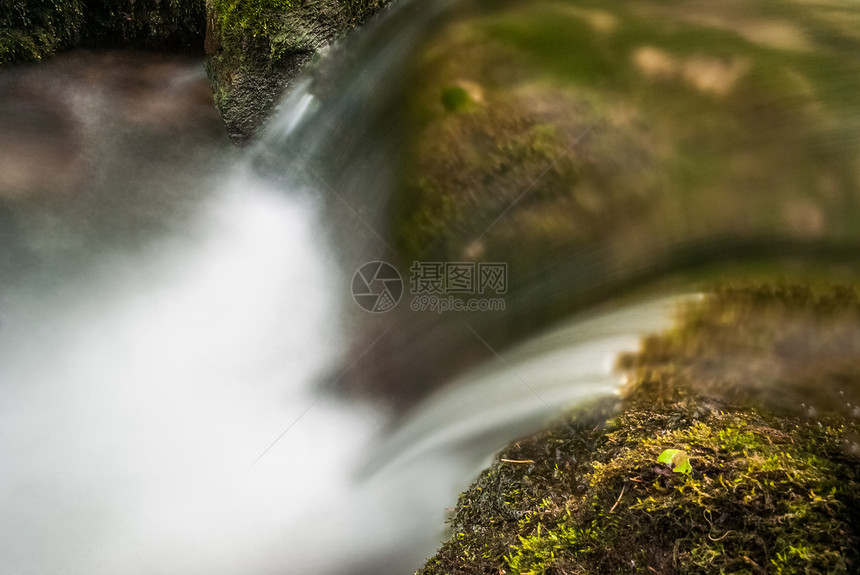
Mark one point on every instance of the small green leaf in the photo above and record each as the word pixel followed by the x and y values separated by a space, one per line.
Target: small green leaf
pixel 666 456
pixel 677 459
pixel 684 466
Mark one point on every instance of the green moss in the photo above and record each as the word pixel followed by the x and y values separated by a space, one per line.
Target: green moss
pixel 778 495
pixel 256 48
pixel 455 99
pixel 254 18
pixel 606 142
pixel 781 501
pixel 785 349
pixel 766 492
pixel 34 29
pixel 287 26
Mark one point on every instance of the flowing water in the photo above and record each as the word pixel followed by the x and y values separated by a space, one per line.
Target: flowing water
pixel 167 315
pixel 178 340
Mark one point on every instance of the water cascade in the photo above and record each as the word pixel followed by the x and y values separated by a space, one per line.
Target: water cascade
pixel 186 384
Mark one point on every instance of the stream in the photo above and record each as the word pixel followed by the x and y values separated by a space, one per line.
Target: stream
pixel 179 363
pixel 167 316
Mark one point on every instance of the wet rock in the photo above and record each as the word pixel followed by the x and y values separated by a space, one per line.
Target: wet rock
pixel 600 151
pixel 257 52
pixel 34 30
pixel 762 488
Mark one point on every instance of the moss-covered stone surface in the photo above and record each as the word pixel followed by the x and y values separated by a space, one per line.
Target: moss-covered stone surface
pixel 542 132
pixel 257 48
pixel 792 350
pixel 767 490
pixel 600 148
pixel 34 29
pixel 583 118
pixel 166 25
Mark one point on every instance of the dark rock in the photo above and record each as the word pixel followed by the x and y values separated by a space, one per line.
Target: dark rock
pixel 257 52
pixel 32 30
pixel 163 25
pixel 762 489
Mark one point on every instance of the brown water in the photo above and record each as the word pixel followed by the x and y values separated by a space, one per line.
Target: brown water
pixel 101 152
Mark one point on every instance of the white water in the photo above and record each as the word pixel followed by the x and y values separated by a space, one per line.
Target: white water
pixel 129 420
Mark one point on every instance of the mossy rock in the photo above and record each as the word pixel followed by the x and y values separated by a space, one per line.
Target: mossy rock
pixel 162 25
pixel 593 147
pixel 564 123
pixel 765 494
pixel 35 29
pixel 793 350
pixel 604 152
pixel 766 491
pixel 257 48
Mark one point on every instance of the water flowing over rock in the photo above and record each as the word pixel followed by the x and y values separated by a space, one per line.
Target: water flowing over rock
pixel 715 463
pixel 185 325
pixel 256 53
pixel 595 150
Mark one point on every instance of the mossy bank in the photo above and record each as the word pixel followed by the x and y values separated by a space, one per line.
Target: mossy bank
pixel 768 489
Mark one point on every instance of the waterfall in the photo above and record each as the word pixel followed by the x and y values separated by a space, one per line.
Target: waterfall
pixel 180 353
pixel 162 406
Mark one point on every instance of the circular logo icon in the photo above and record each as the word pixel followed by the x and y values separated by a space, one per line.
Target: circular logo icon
pixel 377 287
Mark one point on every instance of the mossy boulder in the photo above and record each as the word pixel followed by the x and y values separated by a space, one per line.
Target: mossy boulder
pixel 541 134
pixel 751 489
pixel 32 30
pixel 765 495
pixel 792 350
pixel 602 151
pixel 163 25
pixel 257 48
